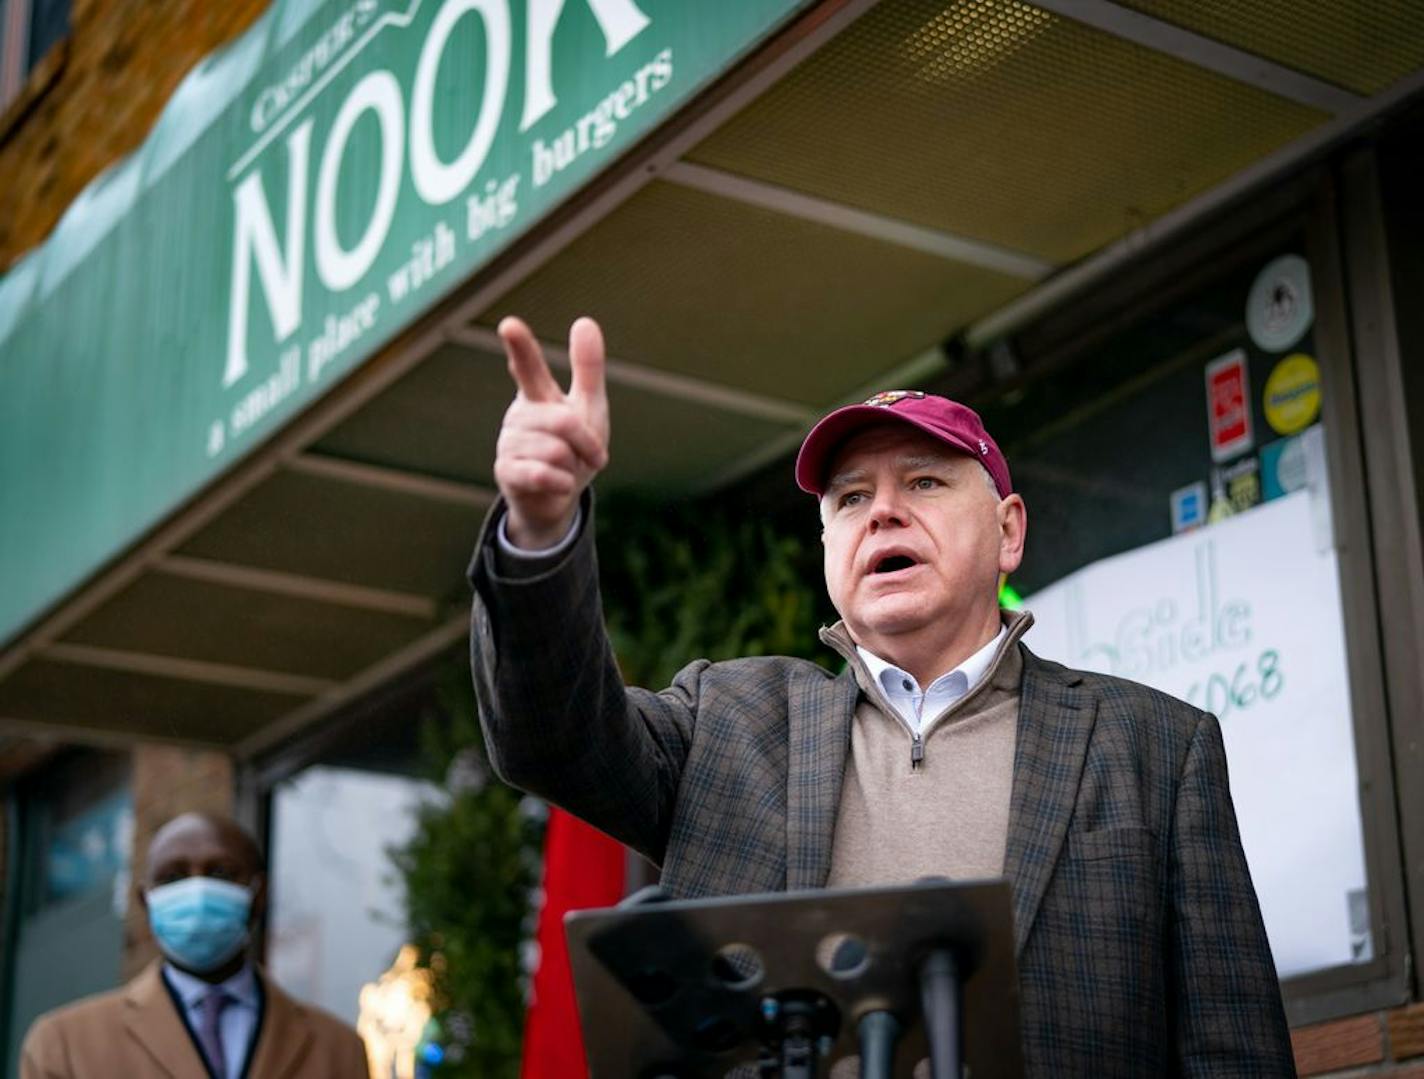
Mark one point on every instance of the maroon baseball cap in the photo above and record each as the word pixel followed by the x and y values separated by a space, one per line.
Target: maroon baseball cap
pixel 952 423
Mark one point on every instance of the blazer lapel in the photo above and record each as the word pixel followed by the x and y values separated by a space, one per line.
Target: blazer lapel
pixel 152 1019
pixel 1055 721
pixel 282 1041
pixel 819 712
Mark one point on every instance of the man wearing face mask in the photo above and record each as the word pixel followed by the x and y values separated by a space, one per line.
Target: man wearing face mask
pixel 205 1009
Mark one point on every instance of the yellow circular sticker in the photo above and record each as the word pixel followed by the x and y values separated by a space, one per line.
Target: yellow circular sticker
pixel 1292 396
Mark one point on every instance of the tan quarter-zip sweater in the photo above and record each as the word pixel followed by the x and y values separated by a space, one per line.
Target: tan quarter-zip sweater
pixel 948 814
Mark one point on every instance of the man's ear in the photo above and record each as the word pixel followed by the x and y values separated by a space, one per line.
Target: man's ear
pixel 1013 531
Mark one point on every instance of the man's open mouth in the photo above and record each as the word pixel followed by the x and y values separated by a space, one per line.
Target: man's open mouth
pixel 892 563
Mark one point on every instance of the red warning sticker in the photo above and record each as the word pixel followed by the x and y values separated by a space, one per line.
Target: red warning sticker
pixel 1228 405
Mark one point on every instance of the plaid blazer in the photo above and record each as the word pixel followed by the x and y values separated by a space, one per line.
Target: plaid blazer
pixel 1140 946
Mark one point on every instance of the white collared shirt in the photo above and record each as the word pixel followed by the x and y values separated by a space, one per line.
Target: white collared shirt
pixel 238 1020
pixel 915 705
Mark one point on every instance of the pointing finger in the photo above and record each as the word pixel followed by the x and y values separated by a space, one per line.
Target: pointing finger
pixel 586 357
pixel 526 362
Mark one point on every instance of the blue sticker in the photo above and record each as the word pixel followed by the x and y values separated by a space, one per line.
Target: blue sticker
pixel 1188 507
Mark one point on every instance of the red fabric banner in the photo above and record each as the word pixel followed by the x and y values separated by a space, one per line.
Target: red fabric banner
pixel 582 868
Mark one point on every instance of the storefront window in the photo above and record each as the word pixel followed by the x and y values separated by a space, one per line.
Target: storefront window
pixel 1180 535
pixel 90 850
pixel 337 917
pixel 75 836
pixel 49 21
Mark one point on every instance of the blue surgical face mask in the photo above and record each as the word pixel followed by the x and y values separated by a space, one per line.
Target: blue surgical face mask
pixel 199 922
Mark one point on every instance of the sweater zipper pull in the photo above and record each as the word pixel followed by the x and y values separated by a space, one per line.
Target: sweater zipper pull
pixel 917 750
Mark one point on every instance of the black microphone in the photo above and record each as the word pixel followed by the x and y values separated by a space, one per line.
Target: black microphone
pixel 942 1003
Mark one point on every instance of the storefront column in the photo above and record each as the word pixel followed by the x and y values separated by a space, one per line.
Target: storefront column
pixel 1384 230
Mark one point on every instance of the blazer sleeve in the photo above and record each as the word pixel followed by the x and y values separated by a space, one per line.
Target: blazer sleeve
pixel 1226 1009
pixel 557 719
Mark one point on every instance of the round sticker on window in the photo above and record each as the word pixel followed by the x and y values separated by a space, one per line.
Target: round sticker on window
pixel 1279 309
pixel 1293 467
pixel 1291 399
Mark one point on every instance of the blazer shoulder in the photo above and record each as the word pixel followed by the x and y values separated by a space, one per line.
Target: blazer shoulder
pixel 1121 698
pixel 335 1037
pixel 101 1007
pixel 783 666
pixel 326 1029
pixel 767 671
pixel 83 1019
pixel 761 687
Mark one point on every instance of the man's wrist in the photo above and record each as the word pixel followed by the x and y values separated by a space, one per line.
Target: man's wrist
pixel 508 546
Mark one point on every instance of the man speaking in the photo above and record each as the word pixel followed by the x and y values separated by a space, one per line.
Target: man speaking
pixel 945 748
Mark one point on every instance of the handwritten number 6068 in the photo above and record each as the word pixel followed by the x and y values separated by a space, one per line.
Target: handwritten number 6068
pixel 1245 687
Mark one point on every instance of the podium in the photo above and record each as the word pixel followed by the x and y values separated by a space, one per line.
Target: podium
pixel 916 981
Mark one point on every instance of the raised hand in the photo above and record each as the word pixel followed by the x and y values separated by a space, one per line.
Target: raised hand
pixel 551 443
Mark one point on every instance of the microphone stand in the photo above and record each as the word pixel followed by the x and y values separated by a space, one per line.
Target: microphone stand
pixel 941 998
pixel 879 1031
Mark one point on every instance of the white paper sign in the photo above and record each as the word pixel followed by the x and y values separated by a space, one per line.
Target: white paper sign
pixel 1243 619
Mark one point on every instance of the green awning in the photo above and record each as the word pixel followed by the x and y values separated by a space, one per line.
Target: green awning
pixel 308 193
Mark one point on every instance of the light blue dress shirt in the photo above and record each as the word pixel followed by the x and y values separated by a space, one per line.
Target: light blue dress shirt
pixel 238 1020
pixel 914 705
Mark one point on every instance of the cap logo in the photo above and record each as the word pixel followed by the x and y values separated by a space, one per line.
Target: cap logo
pixel 983 447
pixel 886 398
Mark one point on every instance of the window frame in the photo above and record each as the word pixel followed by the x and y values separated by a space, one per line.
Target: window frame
pixel 15 64
pixel 1384 248
pixel 23 78
pixel 29 803
pixel 1252 229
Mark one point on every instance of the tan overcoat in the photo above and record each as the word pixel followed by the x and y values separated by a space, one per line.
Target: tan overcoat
pixel 135 1032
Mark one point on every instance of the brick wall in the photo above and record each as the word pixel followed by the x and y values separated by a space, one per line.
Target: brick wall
pixel 167 782
pixel 95 98
pixel 1384 1043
